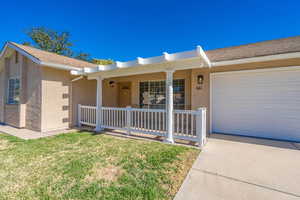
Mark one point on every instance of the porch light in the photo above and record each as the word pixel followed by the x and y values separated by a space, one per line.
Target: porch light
pixel 112 84
pixel 200 79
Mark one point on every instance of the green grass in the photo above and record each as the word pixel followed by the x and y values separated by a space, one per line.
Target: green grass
pixel 85 166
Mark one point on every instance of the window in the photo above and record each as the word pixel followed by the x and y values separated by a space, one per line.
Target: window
pixel 153 94
pixel 13 91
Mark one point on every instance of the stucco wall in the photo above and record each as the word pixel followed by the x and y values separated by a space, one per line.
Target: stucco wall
pixel 200 94
pixel 60 98
pixel 83 92
pixel 2 93
pixel 33 96
pixel 110 94
pixel 13 69
pixel 55 99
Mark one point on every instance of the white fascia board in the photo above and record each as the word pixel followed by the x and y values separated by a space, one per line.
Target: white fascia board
pixel 139 70
pixel 76 72
pixel 153 60
pixel 257 59
pixel 90 69
pixel 58 66
pixel 203 55
pixel 21 51
pixel 107 67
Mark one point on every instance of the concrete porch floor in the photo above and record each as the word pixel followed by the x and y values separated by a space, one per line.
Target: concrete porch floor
pixel 242 168
pixel 29 134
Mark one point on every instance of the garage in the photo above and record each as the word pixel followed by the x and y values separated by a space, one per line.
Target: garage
pixel 259 103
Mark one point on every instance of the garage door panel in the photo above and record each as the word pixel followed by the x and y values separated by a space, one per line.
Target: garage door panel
pixel 257 103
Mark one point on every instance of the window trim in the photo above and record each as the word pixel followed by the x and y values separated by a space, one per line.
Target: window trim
pixel 7 90
pixel 156 80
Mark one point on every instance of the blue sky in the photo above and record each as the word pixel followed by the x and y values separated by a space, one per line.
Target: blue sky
pixel 124 30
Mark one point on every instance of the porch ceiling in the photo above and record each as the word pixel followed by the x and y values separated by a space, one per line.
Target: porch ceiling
pixel 177 61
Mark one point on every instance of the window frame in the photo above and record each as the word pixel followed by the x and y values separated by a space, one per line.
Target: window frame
pixel 148 106
pixel 8 91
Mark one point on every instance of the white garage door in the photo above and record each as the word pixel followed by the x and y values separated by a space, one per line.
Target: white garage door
pixel 260 103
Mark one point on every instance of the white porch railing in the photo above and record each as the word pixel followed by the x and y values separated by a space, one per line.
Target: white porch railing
pixel 188 124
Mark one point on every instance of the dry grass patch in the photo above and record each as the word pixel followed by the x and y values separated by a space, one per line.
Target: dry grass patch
pixel 108 173
pixel 182 166
pixel 4 144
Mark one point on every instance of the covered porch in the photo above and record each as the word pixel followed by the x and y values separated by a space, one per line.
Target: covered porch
pixel 150 96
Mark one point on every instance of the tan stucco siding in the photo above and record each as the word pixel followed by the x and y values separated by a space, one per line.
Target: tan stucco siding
pixel 110 94
pixel 33 96
pixel 83 92
pixel 23 89
pixel 12 115
pixel 200 94
pixel 12 69
pixel 55 99
pixel 2 93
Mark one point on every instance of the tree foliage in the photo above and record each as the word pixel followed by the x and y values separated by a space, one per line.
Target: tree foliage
pixel 52 41
pixel 83 56
pixel 59 43
pixel 102 61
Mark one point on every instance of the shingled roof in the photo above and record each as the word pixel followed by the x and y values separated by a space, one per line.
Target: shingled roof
pixel 48 57
pixel 265 48
pixel 259 49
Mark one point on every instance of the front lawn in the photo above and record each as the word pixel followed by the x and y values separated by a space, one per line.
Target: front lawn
pixel 85 166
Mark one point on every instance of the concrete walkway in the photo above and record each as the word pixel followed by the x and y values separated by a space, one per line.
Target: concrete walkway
pixel 241 168
pixel 28 134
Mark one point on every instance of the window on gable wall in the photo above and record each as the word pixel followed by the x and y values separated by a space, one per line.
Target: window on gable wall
pixel 13 96
pixel 153 94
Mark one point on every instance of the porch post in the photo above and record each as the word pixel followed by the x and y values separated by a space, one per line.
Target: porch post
pixel 169 106
pixel 99 104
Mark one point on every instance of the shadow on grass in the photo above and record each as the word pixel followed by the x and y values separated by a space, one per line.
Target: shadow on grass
pixel 135 136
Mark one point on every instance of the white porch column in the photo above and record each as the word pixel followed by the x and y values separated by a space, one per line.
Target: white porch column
pixel 99 104
pixel 169 106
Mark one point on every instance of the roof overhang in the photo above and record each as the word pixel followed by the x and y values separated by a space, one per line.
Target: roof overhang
pixel 36 60
pixel 177 61
pixel 257 59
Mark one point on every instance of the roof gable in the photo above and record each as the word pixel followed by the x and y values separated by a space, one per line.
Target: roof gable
pixel 47 58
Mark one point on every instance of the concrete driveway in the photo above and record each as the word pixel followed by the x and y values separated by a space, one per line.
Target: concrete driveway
pixel 238 168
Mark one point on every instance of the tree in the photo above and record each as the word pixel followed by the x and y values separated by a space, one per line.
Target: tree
pixel 83 56
pixel 26 43
pixel 59 43
pixel 102 61
pixel 52 41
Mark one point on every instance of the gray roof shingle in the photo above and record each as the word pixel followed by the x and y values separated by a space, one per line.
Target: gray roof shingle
pixel 265 48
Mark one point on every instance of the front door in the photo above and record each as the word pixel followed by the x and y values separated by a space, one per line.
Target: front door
pixel 124 94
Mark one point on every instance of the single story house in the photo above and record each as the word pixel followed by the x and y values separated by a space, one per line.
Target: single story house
pixel 250 90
